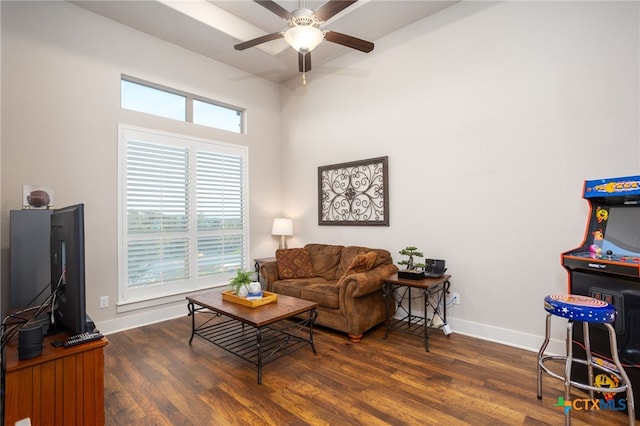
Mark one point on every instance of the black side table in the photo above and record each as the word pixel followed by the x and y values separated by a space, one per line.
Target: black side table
pixel 433 291
pixel 259 261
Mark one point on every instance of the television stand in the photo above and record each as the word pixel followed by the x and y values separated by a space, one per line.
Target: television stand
pixel 61 386
pixel 57 327
pixel 90 325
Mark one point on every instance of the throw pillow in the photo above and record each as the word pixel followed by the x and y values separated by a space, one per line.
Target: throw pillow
pixel 361 263
pixel 294 263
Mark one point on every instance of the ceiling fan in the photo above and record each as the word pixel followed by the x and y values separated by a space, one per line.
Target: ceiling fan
pixel 304 32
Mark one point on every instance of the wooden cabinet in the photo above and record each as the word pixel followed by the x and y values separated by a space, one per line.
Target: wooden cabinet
pixel 63 386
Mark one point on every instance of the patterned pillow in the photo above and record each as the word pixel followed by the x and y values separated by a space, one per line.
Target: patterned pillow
pixel 361 263
pixel 294 263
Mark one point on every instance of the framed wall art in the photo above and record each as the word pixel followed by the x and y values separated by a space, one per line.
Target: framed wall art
pixel 354 193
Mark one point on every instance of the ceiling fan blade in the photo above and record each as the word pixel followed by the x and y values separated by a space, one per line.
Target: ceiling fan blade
pixel 349 41
pixel 304 62
pixel 256 41
pixel 275 8
pixel 331 8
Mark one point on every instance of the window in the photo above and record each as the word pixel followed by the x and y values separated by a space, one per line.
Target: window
pixel 212 115
pixel 183 214
pixel 154 99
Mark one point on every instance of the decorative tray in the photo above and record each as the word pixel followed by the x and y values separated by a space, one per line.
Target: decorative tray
pixel 267 297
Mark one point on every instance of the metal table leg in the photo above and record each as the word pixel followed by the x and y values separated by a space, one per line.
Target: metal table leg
pixel 259 362
pixel 426 294
pixel 192 313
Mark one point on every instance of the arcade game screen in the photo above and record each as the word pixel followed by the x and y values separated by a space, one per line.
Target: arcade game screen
pixel 622 235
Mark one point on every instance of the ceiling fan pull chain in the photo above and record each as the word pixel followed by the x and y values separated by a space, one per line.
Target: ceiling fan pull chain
pixel 304 70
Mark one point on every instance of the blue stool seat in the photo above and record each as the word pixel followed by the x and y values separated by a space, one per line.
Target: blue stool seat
pixel 586 310
pixel 580 308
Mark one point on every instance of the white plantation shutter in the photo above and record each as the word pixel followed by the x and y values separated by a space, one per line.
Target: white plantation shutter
pixel 220 208
pixel 184 204
pixel 157 213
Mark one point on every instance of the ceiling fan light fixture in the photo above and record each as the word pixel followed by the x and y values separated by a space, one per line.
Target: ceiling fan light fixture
pixel 303 38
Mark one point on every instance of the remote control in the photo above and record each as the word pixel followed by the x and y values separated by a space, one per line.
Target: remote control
pixel 82 338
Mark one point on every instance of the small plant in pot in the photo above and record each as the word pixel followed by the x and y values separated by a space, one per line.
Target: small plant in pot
pixel 410 263
pixel 413 270
pixel 244 286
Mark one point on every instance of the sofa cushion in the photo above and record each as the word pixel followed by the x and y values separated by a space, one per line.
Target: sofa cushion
pixel 325 259
pixel 361 263
pixel 349 252
pixel 383 257
pixel 324 294
pixel 294 263
pixel 293 287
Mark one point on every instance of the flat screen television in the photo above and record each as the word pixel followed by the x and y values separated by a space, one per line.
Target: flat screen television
pixel 67 271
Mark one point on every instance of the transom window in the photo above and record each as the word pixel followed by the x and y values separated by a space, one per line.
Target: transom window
pixel 150 98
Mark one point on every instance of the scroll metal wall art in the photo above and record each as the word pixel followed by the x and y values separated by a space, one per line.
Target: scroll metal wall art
pixel 354 193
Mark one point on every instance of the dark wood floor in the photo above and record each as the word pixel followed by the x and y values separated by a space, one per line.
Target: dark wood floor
pixel 153 377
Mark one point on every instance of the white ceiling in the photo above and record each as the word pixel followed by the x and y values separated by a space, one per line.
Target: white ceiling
pixel 212 28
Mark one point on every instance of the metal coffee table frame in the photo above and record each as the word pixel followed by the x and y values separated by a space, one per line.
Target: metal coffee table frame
pixel 259 341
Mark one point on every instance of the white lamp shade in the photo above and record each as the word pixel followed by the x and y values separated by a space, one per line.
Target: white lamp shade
pixel 282 226
pixel 303 38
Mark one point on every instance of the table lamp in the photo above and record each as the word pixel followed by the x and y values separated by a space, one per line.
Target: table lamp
pixel 282 227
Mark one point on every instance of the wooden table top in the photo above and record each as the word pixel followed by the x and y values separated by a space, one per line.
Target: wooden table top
pixel 283 307
pixel 422 283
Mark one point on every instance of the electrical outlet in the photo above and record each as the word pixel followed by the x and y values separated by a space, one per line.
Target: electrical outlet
pixel 456 298
pixel 104 302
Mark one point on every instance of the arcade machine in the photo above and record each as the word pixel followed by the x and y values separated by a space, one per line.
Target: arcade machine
pixel 607 266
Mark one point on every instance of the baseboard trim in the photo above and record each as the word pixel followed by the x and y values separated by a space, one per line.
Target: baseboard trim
pixel 514 338
pixel 141 319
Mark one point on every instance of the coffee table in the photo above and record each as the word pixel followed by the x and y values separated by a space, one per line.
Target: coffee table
pixel 258 335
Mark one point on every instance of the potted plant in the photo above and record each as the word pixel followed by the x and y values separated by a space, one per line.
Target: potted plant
pixel 412 268
pixel 411 252
pixel 240 282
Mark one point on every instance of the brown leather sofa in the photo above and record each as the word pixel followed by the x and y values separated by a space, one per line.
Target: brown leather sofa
pixel 345 281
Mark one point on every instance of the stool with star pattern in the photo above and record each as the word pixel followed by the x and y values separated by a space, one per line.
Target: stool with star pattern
pixel 586 310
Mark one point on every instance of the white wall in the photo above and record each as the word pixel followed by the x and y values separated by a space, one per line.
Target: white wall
pixel 492 116
pixel 61 68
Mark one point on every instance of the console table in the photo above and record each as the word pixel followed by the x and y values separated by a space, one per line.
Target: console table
pixel 63 386
pixel 431 290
